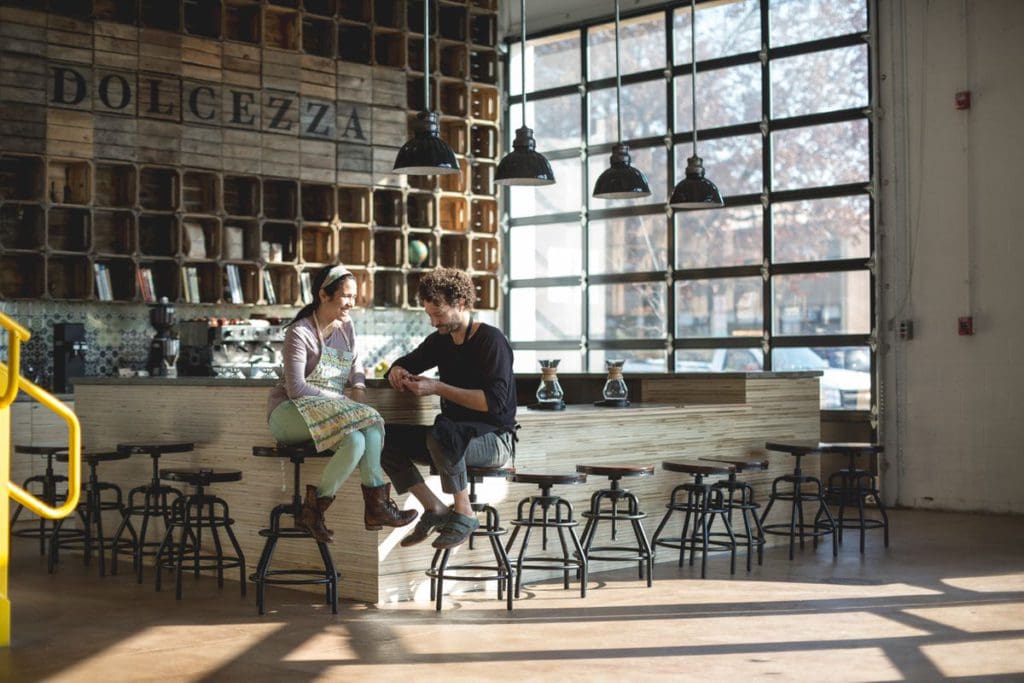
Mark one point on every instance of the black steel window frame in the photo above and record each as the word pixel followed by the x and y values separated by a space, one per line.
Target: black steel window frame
pixel 674 137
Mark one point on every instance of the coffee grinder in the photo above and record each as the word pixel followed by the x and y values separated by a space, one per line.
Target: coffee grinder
pixel 163 349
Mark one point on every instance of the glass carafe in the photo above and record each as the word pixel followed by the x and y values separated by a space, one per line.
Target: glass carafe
pixel 549 393
pixel 615 391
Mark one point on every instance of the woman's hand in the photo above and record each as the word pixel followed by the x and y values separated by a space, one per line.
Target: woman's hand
pixel 397 376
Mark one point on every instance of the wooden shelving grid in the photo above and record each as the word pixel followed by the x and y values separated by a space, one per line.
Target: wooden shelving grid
pixel 99 206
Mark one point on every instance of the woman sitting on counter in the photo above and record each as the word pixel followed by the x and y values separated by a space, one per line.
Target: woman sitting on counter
pixel 319 358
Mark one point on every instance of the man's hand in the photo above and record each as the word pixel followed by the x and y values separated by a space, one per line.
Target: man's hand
pixel 397 376
pixel 420 386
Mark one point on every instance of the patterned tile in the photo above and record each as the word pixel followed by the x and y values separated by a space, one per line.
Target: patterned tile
pixel 117 336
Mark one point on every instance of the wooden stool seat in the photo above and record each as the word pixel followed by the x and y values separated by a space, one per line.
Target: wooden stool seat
pixel 96 457
pixel 697 468
pixel 482 472
pixel 156 448
pixel 25 449
pixel 291 451
pixel 198 476
pixel 548 479
pixel 738 465
pixel 617 471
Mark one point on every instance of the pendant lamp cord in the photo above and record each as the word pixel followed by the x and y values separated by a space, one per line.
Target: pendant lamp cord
pixel 693 71
pixel 522 55
pixel 426 55
pixel 618 76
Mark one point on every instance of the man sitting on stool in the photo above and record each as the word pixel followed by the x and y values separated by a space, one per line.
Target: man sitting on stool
pixel 478 407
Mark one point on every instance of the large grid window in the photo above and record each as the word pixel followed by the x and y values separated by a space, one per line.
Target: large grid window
pixel 782 277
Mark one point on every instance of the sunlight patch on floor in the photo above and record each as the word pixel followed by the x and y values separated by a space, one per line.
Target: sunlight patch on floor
pixel 975 618
pixel 325 645
pixel 1012 583
pixel 843 665
pixel 216 645
pixel 650 632
pixel 978 658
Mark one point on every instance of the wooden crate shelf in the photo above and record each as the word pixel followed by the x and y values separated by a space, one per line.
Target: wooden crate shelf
pixel 177 200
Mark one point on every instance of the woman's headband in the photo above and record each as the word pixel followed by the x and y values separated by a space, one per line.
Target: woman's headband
pixel 334 274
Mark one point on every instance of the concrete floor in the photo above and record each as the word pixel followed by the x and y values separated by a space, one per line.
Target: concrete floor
pixel 945 601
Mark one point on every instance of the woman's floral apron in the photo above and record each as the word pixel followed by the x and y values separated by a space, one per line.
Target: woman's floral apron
pixel 332 416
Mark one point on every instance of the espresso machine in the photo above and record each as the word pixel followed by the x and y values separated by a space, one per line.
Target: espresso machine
pixel 248 349
pixel 163 349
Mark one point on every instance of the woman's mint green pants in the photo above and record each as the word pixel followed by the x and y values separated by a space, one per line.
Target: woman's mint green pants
pixel 360 449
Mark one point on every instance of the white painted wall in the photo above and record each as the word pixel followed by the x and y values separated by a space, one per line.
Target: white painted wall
pixel 952 245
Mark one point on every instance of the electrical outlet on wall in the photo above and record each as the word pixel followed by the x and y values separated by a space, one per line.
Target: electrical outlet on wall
pixel 906 329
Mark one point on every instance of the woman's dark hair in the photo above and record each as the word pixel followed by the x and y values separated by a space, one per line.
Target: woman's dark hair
pixel 447 286
pixel 317 285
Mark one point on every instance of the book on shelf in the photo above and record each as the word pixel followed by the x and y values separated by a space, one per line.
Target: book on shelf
pixel 104 290
pixel 307 287
pixel 190 284
pixel 234 242
pixel 234 284
pixel 195 240
pixel 146 289
pixel 268 288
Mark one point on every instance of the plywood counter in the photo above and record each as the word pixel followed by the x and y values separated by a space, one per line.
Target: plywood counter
pixel 681 417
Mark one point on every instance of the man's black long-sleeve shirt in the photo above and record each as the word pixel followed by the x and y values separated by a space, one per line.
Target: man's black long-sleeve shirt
pixel 484 361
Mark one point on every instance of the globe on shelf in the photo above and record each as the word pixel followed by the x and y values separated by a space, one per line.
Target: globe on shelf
pixel 418 253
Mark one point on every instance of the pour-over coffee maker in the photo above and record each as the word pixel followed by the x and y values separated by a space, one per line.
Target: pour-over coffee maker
pixel 163 349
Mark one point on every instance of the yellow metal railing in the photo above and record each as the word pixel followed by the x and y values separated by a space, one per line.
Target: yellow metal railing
pixel 10 383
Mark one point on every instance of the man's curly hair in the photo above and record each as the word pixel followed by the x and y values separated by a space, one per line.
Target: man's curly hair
pixel 447 287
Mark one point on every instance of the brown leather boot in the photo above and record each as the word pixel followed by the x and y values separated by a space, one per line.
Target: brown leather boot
pixel 312 517
pixel 381 511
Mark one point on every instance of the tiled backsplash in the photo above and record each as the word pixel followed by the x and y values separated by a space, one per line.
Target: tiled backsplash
pixel 118 335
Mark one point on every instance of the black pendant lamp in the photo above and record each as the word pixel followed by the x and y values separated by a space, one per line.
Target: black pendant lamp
pixel 620 180
pixel 695 191
pixel 524 165
pixel 426 153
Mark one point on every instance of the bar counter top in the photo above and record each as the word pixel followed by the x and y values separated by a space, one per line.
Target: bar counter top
pixel 672 417
pixel 268 382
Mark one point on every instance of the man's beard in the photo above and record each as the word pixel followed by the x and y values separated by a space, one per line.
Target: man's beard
pixel 449 327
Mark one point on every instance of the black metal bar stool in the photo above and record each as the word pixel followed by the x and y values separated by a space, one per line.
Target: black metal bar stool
pixel 853 486
pixel 91 509
pixel 501 570
pixel 154 501
pixel 539 515
pixel 264 575
pixel 615 495
pixel 703 504
pixel 192 513
pixel 739 495
pixel 797 496
pixel 47 485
